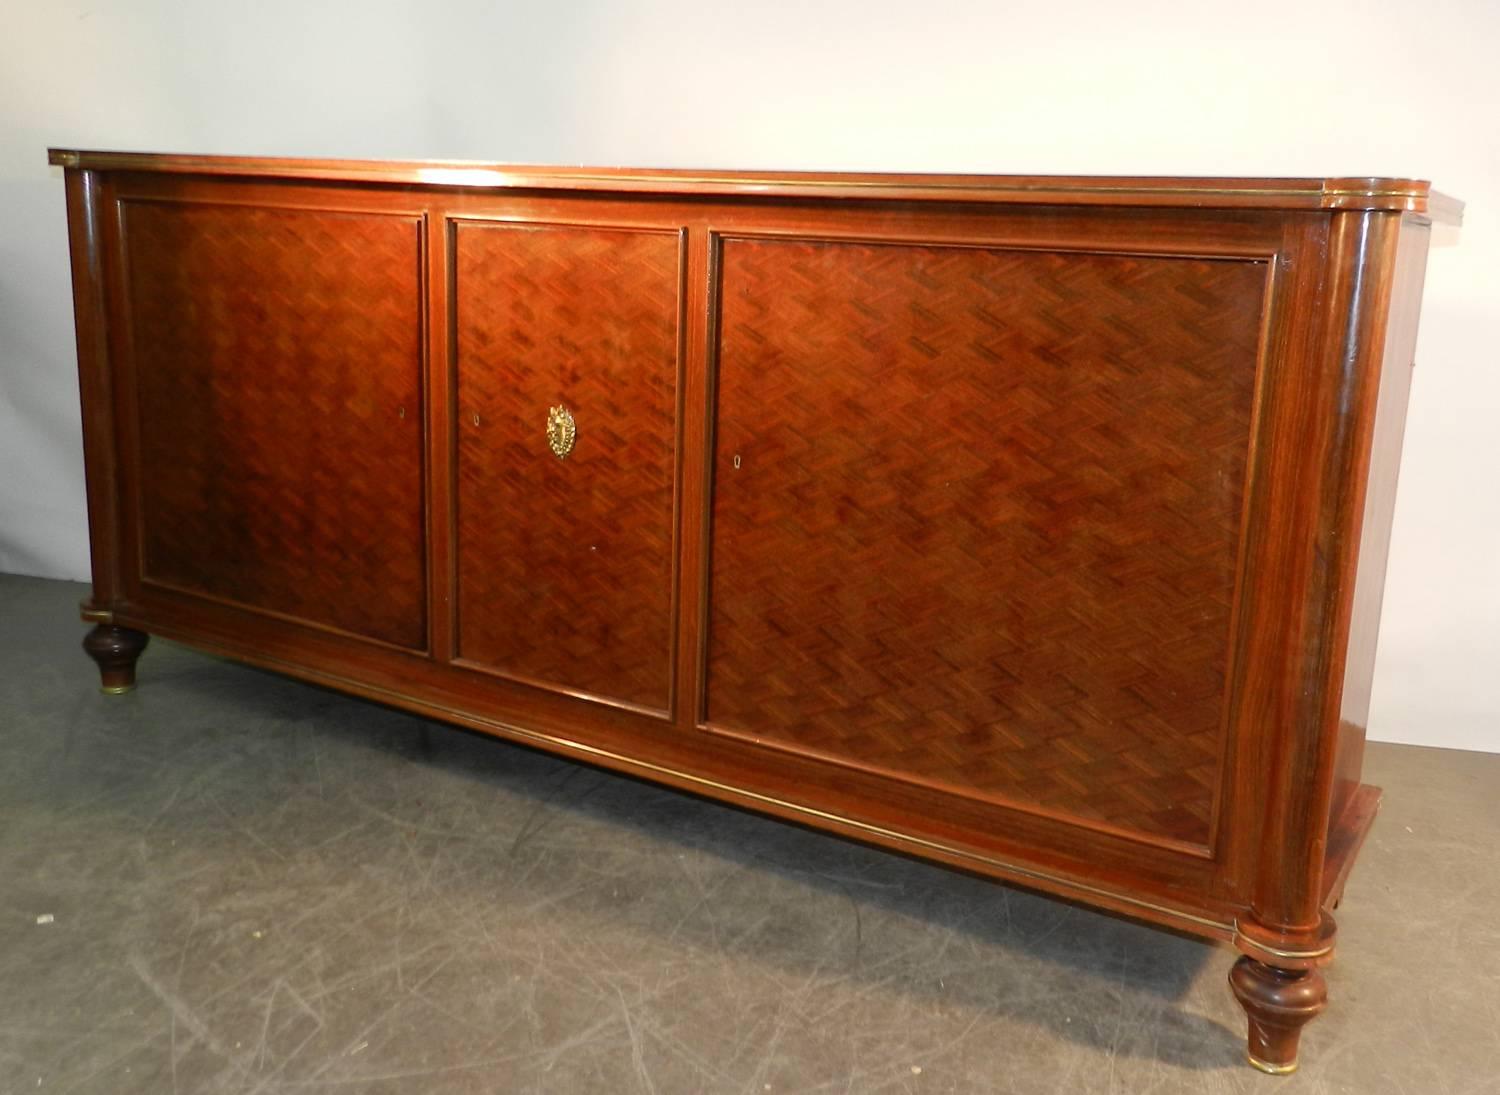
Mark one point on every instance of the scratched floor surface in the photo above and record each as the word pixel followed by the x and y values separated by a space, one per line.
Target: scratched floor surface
pixel 230 882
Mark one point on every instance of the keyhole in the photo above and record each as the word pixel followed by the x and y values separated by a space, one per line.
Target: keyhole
pixel 736 461
pixel 476 420
pixel 400 412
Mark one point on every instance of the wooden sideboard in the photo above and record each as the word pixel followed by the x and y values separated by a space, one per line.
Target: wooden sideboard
pixel 1036 526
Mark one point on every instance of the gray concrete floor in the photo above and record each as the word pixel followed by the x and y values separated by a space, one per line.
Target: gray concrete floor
pixel 251 885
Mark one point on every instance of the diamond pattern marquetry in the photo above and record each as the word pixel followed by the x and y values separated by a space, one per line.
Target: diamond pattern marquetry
pixel 278 363
pixel 984 523
pixel 565 564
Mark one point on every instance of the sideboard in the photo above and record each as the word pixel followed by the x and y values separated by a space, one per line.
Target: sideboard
pixel 1033 525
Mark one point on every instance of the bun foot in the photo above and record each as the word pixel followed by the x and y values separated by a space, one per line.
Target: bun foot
pixel 115 650
pixel 1279 1003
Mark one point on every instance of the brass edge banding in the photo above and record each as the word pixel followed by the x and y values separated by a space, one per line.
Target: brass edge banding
pixel 1277 952
pixel 522 179
pixel 520 176
pixel 1216 926
pixel 116 689
pixel 1341 192
pixel 1270 1069
pixel 524 176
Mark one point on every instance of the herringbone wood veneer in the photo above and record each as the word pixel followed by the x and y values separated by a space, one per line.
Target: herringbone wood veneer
pixel 984 526
pixel 565 566
pixel 278 365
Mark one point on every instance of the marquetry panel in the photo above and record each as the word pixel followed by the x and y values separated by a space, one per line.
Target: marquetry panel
pixel 976 517
pixel 277 366
pixel 565 564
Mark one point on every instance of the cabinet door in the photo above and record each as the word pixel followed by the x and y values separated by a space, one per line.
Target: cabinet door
pixel 976 519
pixel 565 560
pixel 277 364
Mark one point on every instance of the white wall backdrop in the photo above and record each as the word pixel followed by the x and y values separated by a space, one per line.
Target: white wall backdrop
pixel 1279 87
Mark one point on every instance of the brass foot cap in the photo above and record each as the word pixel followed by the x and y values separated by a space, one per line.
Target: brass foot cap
pixel 1269 1068
pixel 116 689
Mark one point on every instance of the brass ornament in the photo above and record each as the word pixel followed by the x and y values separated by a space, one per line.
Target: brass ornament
pixel 1270 1069
pixel 561 430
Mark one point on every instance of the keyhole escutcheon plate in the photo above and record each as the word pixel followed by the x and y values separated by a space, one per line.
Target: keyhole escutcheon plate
pixel 561 431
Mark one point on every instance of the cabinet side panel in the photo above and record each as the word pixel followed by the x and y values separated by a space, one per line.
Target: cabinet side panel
pixel 1380 502
pixel 277 362
pixel 565 563
pixel 976 517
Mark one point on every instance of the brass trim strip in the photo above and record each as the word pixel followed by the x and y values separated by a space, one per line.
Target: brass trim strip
pixel 1294 193
pixel 1276 952
pixel 1270 1069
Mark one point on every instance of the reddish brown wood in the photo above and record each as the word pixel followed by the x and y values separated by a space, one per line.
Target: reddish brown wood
pixel 1384 458
pixel 1279 1003
pixel 438 384
pixel 694 486
pixel 1346 835
pixel 1053 553
pixel 115 650
pixel 279 410
pixel 1401 195
pixel 565 564
pixel 1012 483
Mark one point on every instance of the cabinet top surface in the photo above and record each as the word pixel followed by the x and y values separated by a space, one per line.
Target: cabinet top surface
pixel 1405 195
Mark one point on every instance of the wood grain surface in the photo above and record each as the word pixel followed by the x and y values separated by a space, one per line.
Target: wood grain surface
pixel 278 370
pixel 565 565
pixel 977 515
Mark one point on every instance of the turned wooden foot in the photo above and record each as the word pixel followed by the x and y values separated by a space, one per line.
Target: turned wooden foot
pixel 115 650
pixel 1279 1003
